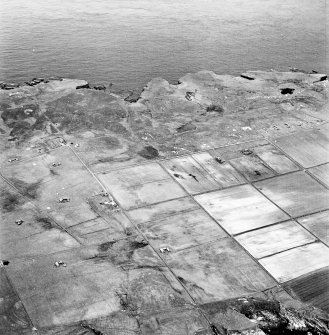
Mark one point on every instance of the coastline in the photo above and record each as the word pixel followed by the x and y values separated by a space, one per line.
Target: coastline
pixel 200 105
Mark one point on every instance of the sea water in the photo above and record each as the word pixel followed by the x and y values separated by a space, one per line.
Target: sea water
pixel 129 42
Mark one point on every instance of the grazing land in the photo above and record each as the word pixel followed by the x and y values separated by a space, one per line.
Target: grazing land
pixel 200 207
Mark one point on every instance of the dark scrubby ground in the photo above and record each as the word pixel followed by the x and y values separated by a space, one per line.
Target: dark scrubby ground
pixel 27 189
pixel 9 201
pixel 88 111
pixel 45 222
pixel 149 152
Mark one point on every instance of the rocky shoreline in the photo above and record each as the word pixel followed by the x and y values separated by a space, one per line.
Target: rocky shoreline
pixel 171 119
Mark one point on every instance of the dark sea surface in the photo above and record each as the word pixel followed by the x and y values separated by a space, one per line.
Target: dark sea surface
pixel 128 42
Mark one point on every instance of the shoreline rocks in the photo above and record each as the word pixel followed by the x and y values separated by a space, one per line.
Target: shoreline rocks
pixel 9 86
